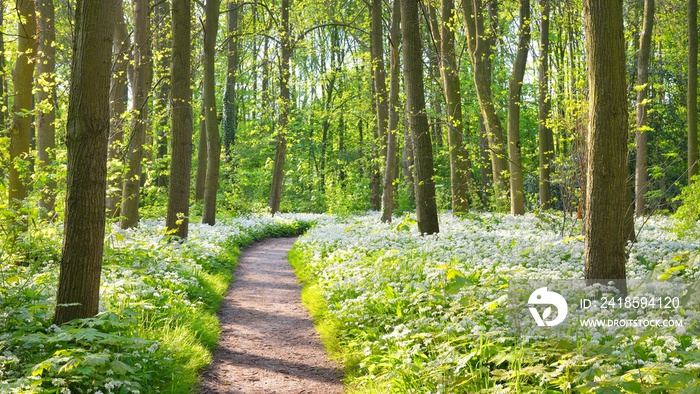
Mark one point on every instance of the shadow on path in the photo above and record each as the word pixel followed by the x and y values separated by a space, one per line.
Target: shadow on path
pixel 268 343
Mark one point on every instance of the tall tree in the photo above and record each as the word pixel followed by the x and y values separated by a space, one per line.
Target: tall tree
pixel 121 53
pixel 229 121
pixel 181 121
pixel 23 82
pixel 692 107
pixel 460 166
pixel 46 99
pixel 380 94
pixel 3 84
pixel 201 173
pixel 515 88
pixel 426 209
pixel 642 92
pixel 162 44
pixel 285 106
pixel 211 25
pixel 606 194
pixel 478 48
pixel 86 140
pixel 391 170
pixel 139 108
pixel 545 140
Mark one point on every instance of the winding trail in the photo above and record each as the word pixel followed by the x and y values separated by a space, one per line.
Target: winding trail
pixel 268 343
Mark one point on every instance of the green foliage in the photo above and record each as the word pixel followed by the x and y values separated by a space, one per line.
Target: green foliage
pixel 157 325
pixel 688 212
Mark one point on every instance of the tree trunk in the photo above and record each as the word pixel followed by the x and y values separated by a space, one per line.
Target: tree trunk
pixel 606 196
pixel 201 176
pixel 642 91
pixel 515 88
pixel 181 122
pixel 230 109
pixel 545 140
pixel 692 107
pixel 379 75
pixel 473 16
pixel 46 98
pixel 212 125
pixel 3 81
pixel 285 106
pixel 117 98
pixel 23 82
pixel 426 209
pixel 460 167
pixel 139 102
pixel 87 135
pixel 391 170
pixel 162 42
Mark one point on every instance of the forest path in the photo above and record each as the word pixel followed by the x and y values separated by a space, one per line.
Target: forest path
pixel 268 343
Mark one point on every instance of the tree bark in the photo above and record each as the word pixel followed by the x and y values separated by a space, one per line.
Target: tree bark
pixel 46 98
pixel 117 98
pixel 3 80
pixel 86 140
pixel 212 125
pixel 181 122
pixel 545 140
pixel 379 75
pixel 460 166
pixel 426 209
pixel 139 102
pixel 642 92
pixel 606 196
pixel 473 16
pixel 202 152
pixel 23 81
pixel 230 122
pixel 162 43
pixel 391 170
pixel 692 99
pixel 285 106
pixel 515 87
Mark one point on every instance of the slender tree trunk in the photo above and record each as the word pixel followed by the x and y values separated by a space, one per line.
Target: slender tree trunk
pixel 3 81
pixel 230 122
pixel 23 81
pixel 426 209
pixel 46 98
pixel 460 166
pixel 391 169
pixel 86 140
pixel 212 124
pixel 433 92
pixel 692 107
pixel 117 98
pixel 515 87
pixel 606 196
pixel 201 176
pixel 473 16
pixel 379 75
pixel 485 162
pixel 642 91
pixel 162 43
pixel 545 140
pixel 139 102
pixel 285 106
pixel 181 122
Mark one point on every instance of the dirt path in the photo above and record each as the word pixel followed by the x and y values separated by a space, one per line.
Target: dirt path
pixel 268 343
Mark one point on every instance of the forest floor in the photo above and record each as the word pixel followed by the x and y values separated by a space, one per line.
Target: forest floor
pixel 268 343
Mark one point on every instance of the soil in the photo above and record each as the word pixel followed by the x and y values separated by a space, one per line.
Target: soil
pixel 268 343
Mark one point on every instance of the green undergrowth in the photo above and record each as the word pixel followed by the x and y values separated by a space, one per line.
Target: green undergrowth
pixel 157 323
